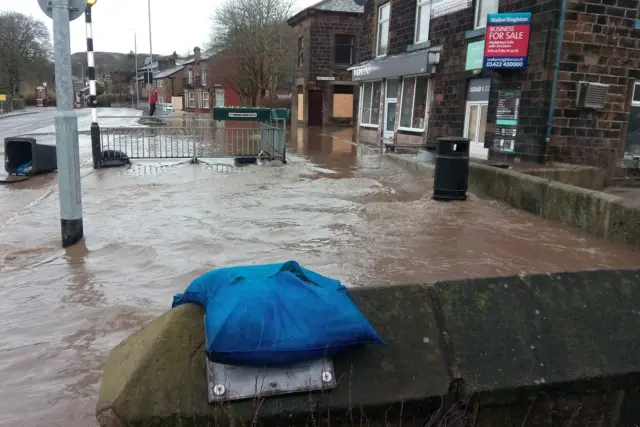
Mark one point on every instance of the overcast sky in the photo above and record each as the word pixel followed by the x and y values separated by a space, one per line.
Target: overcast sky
pixel 176 25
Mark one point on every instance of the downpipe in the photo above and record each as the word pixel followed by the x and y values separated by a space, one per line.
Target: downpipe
pixel 556 71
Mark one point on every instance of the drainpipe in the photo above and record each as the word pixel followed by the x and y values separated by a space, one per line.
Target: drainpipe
pixel 556 70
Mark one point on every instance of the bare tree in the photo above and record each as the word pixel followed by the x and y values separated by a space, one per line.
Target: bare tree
pixel 25 50
pixel 255 34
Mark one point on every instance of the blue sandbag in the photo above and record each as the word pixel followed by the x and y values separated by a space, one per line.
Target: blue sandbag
pixel 275 314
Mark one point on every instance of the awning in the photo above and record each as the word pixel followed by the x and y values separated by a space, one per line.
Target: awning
pixel 405 64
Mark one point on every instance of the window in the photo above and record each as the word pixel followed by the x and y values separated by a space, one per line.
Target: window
pixel 370 101
pixel 423 16
pixel 190 75
pixel 343 49
pixel 205 99
pixel 484 8
pixel 414 103
pixel 300 52
pixel 161 100
pixel 160 83
pixel 192 99
pixel 219 97
pixel 383 29
pixel 633 131
pixel 204 77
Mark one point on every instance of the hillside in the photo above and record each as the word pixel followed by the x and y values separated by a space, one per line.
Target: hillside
pixel 106 62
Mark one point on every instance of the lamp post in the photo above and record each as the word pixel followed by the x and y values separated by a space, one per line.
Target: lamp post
pixel 150 78
pixel 96 151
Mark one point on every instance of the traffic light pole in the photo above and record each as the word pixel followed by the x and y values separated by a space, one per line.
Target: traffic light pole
pixel 66 124
pixel 96 149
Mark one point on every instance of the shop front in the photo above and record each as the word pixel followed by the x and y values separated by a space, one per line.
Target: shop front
pixel 477 101
pixel 394 98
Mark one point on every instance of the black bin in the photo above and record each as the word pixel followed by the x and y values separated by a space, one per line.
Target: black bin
pixel 452 169
pixel 22 150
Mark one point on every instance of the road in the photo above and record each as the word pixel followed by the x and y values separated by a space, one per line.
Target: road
pixel 17 125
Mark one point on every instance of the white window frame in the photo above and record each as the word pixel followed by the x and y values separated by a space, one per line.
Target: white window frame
pixel 420 5
pixel 204 77
pixel 217 92
pixel 636 89
pixel 467 114
pixel 380 22
pixel 362 90
pixel 160 83
pixel 476 15
pixel 427 102
pixel 190 75
pixel 205 100
pixel 192 99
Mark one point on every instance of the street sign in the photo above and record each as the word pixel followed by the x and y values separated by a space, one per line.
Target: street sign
pixel 130 91
pixel 3 97
pixel 325 78
pixel 76 8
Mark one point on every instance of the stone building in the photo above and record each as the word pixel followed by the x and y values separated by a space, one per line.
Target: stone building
pixel 326 45
pixel 566 93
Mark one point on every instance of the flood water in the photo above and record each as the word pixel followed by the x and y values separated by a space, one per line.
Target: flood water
pixel 340 210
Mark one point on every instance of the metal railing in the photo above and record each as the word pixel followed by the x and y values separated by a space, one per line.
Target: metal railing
pixel 193 138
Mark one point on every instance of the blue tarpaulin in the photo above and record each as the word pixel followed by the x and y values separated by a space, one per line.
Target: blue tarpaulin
pixel 275 314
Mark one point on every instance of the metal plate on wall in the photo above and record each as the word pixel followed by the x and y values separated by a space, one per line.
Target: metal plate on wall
pixel 76 8
pixel 227 382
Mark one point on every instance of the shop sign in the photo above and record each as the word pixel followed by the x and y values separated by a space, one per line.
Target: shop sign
pixel 362 71
pixel 507 116
pixel 325 78
pixel 479 90
pixel 475 55
pixel 507 40
pixel 445 7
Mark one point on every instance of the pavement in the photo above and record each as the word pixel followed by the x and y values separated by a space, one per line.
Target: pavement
pixel 153 227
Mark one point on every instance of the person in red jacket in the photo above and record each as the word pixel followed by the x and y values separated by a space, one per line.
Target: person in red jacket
pixel 153 99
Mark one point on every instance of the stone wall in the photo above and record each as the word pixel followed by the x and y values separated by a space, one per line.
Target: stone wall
pixel 324 26
pixel 600 45
pixel 450 90
pixel 553 349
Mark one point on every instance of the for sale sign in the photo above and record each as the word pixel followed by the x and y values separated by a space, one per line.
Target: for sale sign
pixel 506 42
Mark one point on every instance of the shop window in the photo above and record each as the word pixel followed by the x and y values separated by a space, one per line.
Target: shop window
pixel 382 45
pixel 300 52
pixel 414 103
pixel 370 103
pixel 483 9
pixel 343 49
pixel 633 131
pixel 423 16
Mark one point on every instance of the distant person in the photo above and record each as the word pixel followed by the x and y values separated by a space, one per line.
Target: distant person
pixel 153 99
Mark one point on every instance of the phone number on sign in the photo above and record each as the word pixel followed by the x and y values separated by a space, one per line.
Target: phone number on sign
pixel 499 63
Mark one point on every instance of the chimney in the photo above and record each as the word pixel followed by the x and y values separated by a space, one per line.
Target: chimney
pixel 196 54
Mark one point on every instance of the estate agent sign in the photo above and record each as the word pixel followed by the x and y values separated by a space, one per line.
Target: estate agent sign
pixel 507 40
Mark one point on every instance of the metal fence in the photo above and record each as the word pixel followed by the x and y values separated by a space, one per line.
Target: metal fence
pixel 194 138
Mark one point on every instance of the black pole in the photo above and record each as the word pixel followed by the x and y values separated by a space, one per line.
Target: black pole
pixel 96 149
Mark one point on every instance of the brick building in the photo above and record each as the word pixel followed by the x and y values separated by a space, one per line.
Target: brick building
pixel 209 81
pixel 169 85
pixel 551 110
pixel 326 45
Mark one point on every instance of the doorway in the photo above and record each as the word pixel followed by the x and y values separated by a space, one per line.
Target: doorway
pixel 474 128
pixel 315 108
pixel 390 107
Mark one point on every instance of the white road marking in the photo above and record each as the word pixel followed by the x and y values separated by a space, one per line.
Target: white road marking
pixel 30 124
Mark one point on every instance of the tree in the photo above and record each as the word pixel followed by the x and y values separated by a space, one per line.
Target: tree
pixel 25 50
pixel 255 34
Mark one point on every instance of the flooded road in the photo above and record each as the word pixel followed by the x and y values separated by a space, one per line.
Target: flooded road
pixel 340 210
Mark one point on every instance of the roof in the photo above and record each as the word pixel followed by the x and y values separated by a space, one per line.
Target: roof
pixel 344 6
pixel 166 73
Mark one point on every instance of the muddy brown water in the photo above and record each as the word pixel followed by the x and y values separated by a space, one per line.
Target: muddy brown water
pixel 151 229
